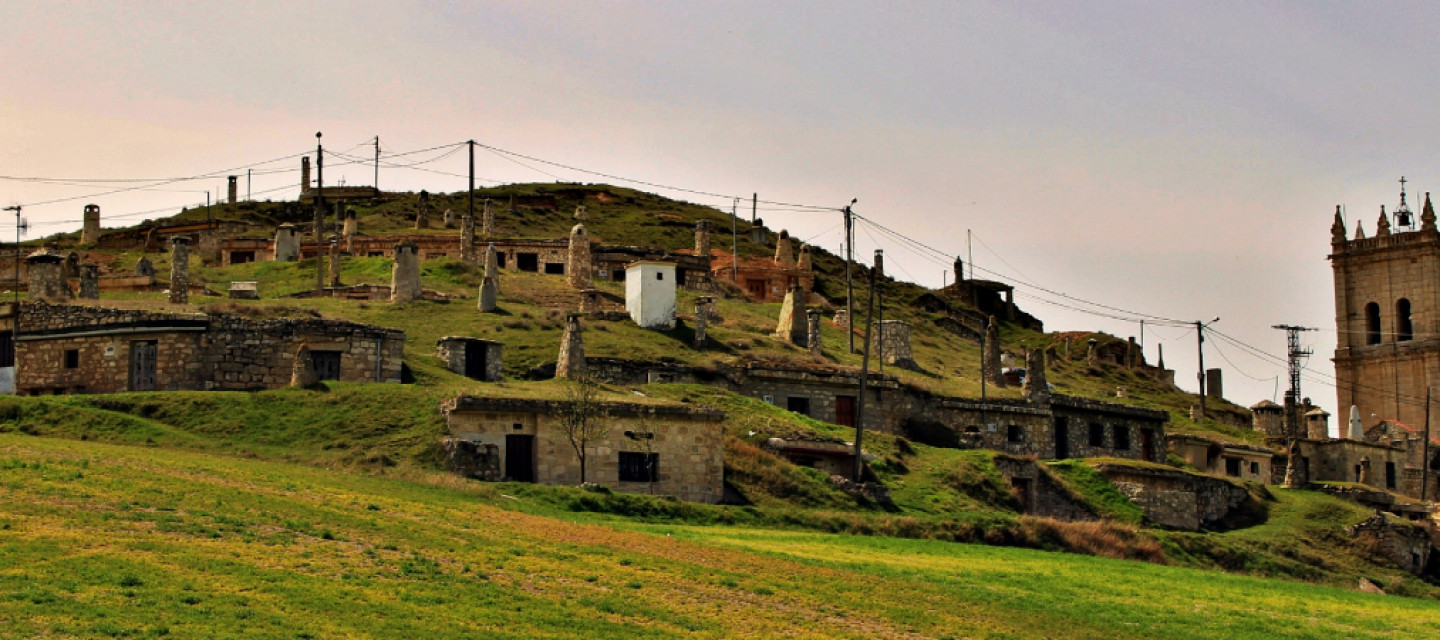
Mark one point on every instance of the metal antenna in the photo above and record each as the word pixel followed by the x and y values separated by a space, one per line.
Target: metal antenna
pixel 1296 354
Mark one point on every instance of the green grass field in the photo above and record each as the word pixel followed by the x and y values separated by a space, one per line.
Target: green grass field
pixel 101 540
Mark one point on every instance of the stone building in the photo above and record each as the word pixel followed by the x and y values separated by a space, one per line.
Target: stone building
pixel 665 449
pixel 47 276
pixel 83 349
pixel 90 232
pixel 767 279
pixel 1243 461
pixel 471 357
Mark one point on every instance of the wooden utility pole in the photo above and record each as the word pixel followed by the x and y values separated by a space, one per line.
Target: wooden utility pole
pixel 734 244
pixel 754 206
pixel 864 379
pixel 849 280
pixel 319 216
pixel 470 202
pixel 1200 349
pixel 377 165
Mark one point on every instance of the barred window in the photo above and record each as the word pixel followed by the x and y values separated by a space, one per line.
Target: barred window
pixel 633 467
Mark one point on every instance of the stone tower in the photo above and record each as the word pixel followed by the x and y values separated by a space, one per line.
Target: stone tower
pixel 90 232
pixel 233 189
pixel 784 253
pixel 287 243
pixel 405 276
pixel 702 239
pixel 1387 312
pixel 1267 418
pixel 578 269
pixel 180 270
pixel 487 220
pixel 571 364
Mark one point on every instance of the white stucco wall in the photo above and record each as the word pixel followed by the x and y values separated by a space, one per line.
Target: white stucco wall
pixel 650 294
pixel 7 380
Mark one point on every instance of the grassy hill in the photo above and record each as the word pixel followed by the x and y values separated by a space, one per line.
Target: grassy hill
pixel 123 541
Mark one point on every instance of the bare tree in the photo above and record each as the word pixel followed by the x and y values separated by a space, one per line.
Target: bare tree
pixel 584 417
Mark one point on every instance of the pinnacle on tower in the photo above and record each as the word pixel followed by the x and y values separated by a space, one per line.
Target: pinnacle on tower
pixel 1382 226
pixel 1337 230
pixel 1427 215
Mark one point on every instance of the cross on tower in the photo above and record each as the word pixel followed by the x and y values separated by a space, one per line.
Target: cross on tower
pixel 1403 216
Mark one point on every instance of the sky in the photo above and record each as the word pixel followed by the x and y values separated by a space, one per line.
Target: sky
pixel 1170 160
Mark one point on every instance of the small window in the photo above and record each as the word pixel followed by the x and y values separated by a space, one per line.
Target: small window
pixel 1390 475
pixel 1254 468
pixel 72 358
pixel 1232 467
pixel 555 268
pixel 1122 438
pixel 1404 328
pixel 659 275
pixel 1015 433
pixel 519 427
pixel 500 259
pixel 798 404
pixel 637 467
pixel 1372 323
pixel 1097 434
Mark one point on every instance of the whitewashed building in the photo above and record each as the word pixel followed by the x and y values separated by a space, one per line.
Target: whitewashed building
pixel 650 293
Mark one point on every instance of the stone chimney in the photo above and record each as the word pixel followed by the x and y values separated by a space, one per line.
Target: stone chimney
pixel 304 174
pixel 334 265
pixel 1267 418
pixel 702 319
pixel 405 276
pixel 805 263
pixel 1092 355
pixel 842 319
pixel 784 253
pixel 1317 424
pixel 422 213
pixel 1035 389
pixel 1357 428
pixel 287 243
pixel 90 232
pixel 991 357
pixel 812 331
pixel 1294 476
pixel 791 327
pixel 1132 354
pixel 895 344
pixel 572 351
pixel 467 238
pixel 302 370
pixel 758 234
pixel 90 281
pixel 350 227
pixel 179 270
pixel 578 269
pixel 487 220
pixel 490 285
pixel 233 190
pixel 143 267
pixel 879 264
pixel 448 219
pixel 959 270
pixel 581 213
pixel 1214 384
pixel 47 276
pixel 702 239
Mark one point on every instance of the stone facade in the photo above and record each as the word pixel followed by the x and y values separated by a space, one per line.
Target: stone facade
pixel 528 437
pixel 287 244
pixel 90 281
pixel 1268 418
pixel 895 344
pixel 115 350
pixel 471 357
pixel 1242 461
pixel 47 276
pixel 1177 499
pixel 1406 544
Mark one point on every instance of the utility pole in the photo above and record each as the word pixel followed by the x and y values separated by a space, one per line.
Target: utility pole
pixel 20 226
pixel 754 206
pixel 1200 349
pixel 849 279
pixel 1424 451
pixel 472 169
pixel 319 216
pixel 208 223
pixel 864 379
pixel 247 184
pixel 879 308
pixel 1292 396
pixel 470 203
pixel 734 244
pixel 969 256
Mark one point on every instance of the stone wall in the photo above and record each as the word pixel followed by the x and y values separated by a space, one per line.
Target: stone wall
pixel 688 441
pixel 192 350
pixel 1177 499
pixel 1406 544
pixel 453 351
pixel 1039 494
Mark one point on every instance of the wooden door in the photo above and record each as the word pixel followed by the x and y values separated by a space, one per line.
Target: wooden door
pixel 143 354
pixel 845 411
pixel 326 364
pixel 1147 445
pixel 520 458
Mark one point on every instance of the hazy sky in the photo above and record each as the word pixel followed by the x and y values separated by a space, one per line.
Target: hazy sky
pixel 1176 159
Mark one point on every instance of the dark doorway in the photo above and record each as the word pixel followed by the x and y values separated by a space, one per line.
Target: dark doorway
pixel 326 363
pixel 756 288
pixel 241 257
pixel 1062 438
pixel 1390 479
pixel 143 354
pixel 527 261
pixel 1147 445
pixel 499 260
pixel 520 458
pixel 475 360
pixel 798 404
pixel 555 268
pixel 7 349
pixel 845 411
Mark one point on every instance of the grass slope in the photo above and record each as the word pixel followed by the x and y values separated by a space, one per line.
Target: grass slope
pixel 119 541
